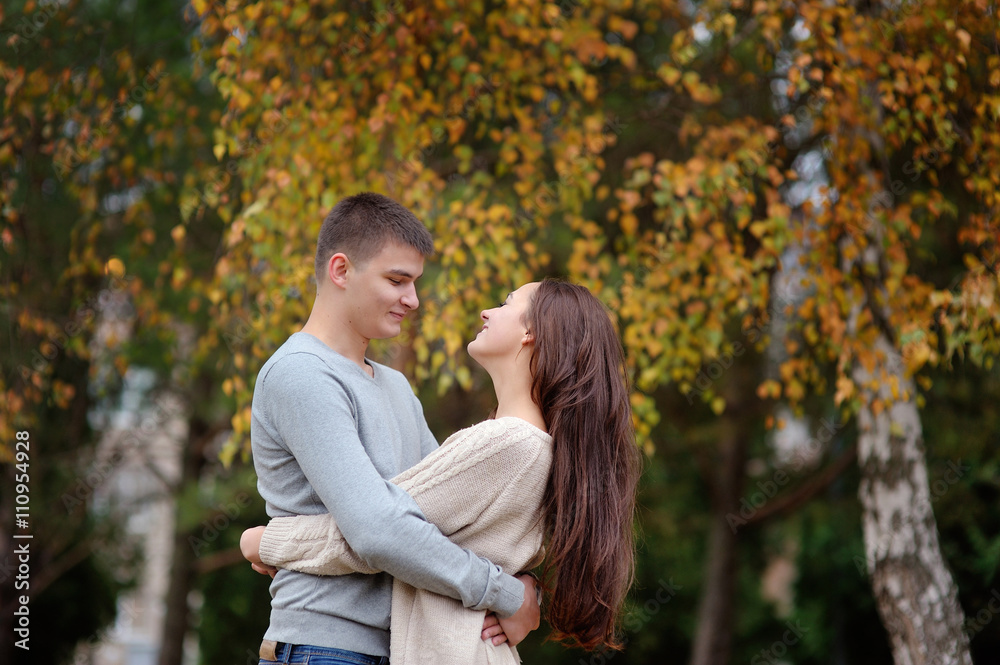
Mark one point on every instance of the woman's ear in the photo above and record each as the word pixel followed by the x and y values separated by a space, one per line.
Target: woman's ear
pixel 529 338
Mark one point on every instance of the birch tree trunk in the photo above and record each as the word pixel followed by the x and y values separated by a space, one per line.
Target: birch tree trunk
pixel 915 594
pixel 914 590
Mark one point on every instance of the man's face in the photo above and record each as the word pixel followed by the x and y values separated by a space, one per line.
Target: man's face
pixel 382 290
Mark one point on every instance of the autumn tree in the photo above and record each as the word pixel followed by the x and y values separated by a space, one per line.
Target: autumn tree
pixel 886 95
pixel 102 125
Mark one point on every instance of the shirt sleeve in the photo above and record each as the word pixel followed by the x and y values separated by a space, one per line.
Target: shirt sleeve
pixel 382 524
pixel 452 487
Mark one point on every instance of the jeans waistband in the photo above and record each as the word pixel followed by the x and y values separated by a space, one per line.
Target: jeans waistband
pixel 284 653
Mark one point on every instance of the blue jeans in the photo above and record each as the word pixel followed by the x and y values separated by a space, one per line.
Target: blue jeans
pixel 305 654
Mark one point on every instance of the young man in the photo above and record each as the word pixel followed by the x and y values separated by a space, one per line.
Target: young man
pixel 329 427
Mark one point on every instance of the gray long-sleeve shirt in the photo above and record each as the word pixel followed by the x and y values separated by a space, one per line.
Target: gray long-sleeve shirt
pixel 326 437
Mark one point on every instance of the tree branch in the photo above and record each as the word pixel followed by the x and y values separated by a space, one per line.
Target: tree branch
pixel 217 560
pixel 804 493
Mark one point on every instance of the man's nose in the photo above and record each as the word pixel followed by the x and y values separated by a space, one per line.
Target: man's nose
pixel 410 298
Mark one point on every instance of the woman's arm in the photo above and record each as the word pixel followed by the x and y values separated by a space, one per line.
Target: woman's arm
pixel 305 543
pixel 452 486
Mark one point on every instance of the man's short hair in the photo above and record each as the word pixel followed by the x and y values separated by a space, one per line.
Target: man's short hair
pixel 361 225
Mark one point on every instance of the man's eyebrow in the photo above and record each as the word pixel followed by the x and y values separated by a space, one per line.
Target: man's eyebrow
pixel 402 273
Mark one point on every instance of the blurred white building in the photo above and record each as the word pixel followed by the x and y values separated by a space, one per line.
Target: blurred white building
pixel 139 460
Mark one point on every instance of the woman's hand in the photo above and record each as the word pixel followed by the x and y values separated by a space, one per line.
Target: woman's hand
pixel 492 630
pixel 516 627
pixel 250 547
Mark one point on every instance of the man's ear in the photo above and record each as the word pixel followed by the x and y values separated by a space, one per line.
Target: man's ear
pixel 337 268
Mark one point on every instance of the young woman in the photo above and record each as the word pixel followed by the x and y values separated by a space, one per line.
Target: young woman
pixel 556 467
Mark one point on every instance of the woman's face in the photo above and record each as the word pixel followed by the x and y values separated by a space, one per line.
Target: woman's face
pixel 504 332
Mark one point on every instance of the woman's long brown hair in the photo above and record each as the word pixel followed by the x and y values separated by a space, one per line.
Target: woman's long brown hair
pixel 579 382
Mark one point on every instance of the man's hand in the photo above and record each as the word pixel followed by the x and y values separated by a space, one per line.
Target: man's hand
pixel 516 627
pixel 250 547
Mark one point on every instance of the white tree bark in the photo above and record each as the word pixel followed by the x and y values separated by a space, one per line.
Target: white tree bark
pixel 915 594
pixel 914 590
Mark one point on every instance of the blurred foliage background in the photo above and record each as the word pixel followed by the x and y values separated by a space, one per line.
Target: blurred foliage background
pixel 790 208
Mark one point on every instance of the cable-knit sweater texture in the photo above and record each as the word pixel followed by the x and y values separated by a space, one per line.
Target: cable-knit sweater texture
pixel 483 489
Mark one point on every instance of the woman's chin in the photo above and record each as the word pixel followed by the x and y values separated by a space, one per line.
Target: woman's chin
pixel 477 352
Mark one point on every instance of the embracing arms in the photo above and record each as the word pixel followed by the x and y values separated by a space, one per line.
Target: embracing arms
pixel 310 458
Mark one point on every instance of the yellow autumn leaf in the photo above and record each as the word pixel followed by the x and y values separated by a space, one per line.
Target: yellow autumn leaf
pixel 629 224
pixel 114 267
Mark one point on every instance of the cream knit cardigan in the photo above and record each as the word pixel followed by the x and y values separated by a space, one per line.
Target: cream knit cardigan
pixel 483 488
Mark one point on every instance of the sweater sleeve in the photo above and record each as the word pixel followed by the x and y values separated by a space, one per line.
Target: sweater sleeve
pixel 452 486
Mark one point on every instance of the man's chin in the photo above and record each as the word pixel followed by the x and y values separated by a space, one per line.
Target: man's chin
pixel 388 332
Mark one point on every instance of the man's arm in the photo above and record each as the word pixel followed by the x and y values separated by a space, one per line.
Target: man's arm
pixel 382 524
pixel 428 443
